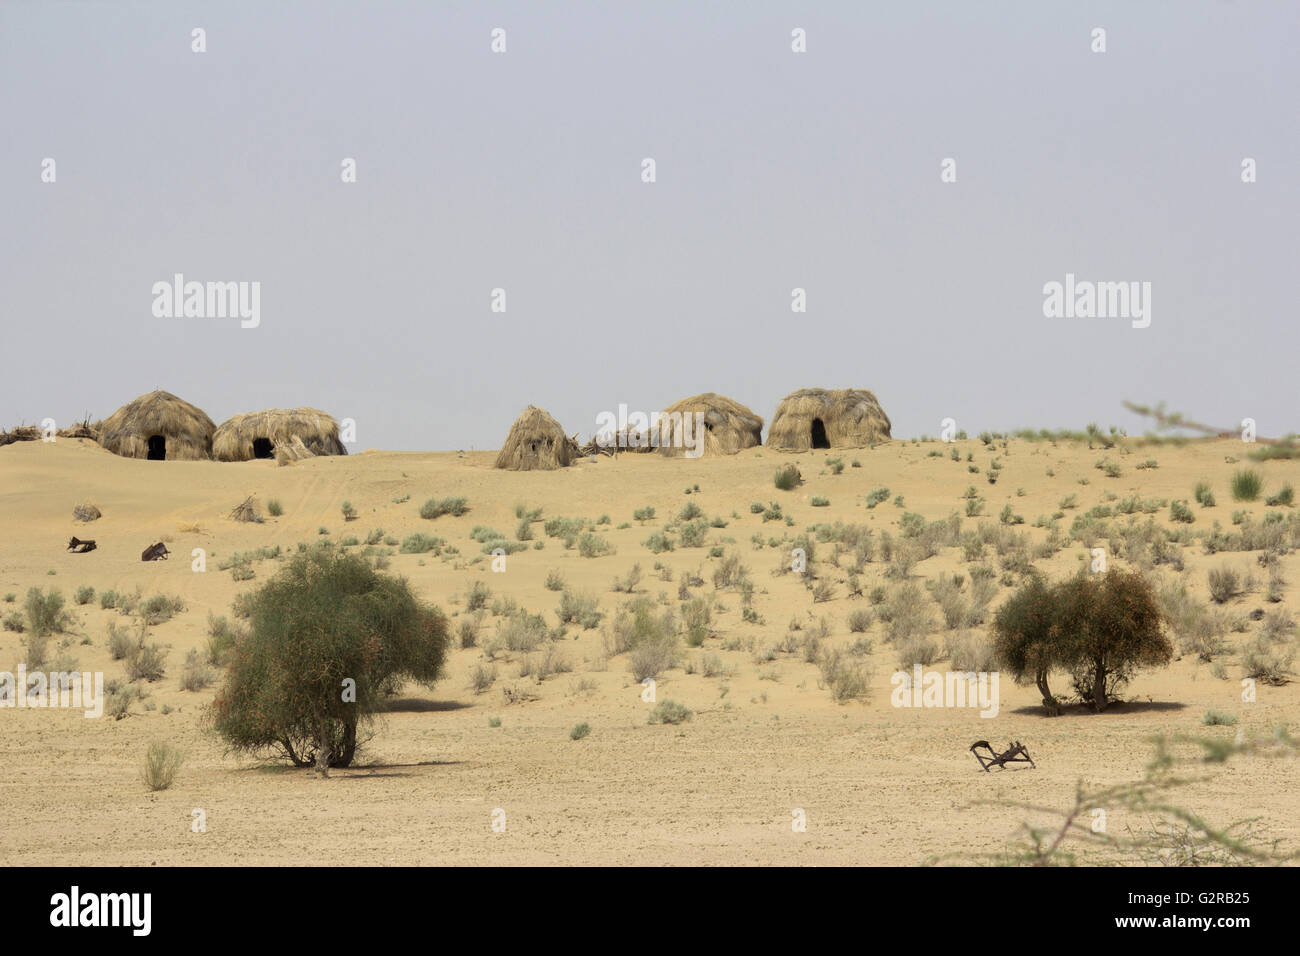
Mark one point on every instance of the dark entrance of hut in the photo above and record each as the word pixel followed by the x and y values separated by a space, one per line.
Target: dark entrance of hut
pixel 819 439
pixel 157 448
pixel 263 448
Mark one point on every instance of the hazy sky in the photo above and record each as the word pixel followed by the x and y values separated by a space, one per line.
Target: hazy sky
pixel 775 170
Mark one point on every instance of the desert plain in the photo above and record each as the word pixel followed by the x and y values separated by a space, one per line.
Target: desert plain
pixel 767 740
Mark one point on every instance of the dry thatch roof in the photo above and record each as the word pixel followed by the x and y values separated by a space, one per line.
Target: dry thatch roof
pixel 300 432
pixel 822 418
pixel 537 442
pixel 729 426
pixel 186 430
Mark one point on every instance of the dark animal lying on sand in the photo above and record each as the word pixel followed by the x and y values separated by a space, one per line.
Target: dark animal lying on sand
pixel 155 552
pixel 77 546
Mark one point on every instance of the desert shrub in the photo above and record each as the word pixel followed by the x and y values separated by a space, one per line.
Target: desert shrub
pixel 1286 496
pixel 690 511
pixel 669 712
pixel 421 544
pixel 1179 511
pixel 1215 718
pixel 274 508
pixel 549 662
pixel 643 514
pixel 647 636
pixel 1195 628
pixel 478 596
pixel 629 581
pixel 1246 485
pixel 1267 661
pixel 162 762
pixel 437 507
pixel 591 545
pixel 579 608
pixel 15 622
pixel 146 662
pixel 951 601
pixel 845 676
pixel 659 543
pixel 1225 584
pixel 221 639
pixel 696 617
pixel 467 631
pixel 923 650
pixel 859 620
pixel 160 608
pixel 349 512
pixel 1277 625
pixel 38 646
pixel 877 496
pixel 693 534
pixel 84 595
pixel 45 613
pixel 120 641
pixel 108 600
pixel 786 477
pixel 321 619
pixel 906 613
pixel 1203 495
pixel 521 632
pixel 969 651
pixel 554 581
pixel 579 731
pixel 482 678
pixel 196 674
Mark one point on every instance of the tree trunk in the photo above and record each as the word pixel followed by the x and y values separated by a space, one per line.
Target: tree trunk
pixel 348 747
pixel 1049 702
pixel 1099 686
pixel 323 747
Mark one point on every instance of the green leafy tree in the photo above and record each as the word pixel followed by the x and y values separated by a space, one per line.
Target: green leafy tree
pixel 330 638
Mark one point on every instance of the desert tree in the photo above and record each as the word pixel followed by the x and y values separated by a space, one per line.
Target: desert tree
pixel 1099 628
pixel 329 638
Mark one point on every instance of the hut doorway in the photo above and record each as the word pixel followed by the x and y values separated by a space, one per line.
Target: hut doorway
pixel 263 448
pixel 819 439
pixel 157 448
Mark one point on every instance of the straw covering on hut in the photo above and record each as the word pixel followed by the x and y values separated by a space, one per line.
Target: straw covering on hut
pixel 281 433
pixel 158 426
pixel 824 418
pixel 728 426
pixel 536 443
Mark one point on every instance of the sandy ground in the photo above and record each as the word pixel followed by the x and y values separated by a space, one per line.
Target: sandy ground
pixel 878 784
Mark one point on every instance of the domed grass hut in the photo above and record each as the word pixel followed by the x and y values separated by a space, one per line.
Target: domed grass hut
pixel 158 426
pixel 826 418
pixel 537 443
pixel 292 433
pixel 728 427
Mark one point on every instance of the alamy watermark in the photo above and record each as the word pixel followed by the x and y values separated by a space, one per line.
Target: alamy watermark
pixel 1074 299
pixel 923 688
pixel 71 690
pixel 626 429
pixel 179 299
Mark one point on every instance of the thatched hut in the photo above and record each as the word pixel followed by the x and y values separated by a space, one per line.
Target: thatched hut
pixel 728 427
pixel 291 433
pixel 822 418
pixel 158 426
pixel 537 443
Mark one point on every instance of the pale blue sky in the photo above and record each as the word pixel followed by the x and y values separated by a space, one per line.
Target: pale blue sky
pixel 775 170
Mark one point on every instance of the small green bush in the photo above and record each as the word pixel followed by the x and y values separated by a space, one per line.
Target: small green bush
pixel 1246 485
pixel 669 712
pixel 161 764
